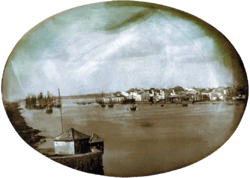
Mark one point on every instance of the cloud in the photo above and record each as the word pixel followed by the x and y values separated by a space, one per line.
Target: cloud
pixel 99 48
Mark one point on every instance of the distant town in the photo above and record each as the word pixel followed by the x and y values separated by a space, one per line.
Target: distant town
pixel 178 93
pixel 152 95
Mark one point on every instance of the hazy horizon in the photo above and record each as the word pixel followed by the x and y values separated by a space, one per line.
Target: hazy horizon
pixel 109 47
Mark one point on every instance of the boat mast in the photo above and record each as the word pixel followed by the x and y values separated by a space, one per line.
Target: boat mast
pixel 110 99
pixel 133 101
pixel 60 109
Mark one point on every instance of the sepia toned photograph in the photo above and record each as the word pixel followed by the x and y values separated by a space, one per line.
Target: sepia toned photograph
pixel 124 89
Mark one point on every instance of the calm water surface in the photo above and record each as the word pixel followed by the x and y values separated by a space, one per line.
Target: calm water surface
pixel 151 140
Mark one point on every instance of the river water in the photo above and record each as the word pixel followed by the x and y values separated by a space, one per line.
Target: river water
pixel 150 140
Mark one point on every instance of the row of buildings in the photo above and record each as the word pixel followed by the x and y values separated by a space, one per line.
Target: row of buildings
pixel 177 93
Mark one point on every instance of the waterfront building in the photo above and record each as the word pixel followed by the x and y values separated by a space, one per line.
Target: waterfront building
pixel 205 96
pixel 72 142
pixel 138 98
pixel 96 143
pixel 213 95
pixel 118 99
pixel 167 94
pixel 190 91
pixel 125 94
pixel 114 97
pixel 157 96
pixel 151 93
pixel 172 93
pixel 162 95
pixel 145 96
pixel 79 151
pixel 141 91
pixel 118 93
pixel 134 94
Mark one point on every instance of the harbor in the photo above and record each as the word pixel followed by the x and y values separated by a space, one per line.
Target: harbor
pixel 123 89
pixel 129 136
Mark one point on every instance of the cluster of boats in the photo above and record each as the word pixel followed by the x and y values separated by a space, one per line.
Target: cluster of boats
pixel 111 104
pixel 84 103
pixel 47 102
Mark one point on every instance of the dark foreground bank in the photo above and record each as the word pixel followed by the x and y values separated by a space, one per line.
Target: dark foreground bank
pixel 91 163
pixel 28 134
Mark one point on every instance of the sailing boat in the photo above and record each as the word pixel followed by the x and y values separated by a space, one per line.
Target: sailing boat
pixel 103 103
pixel 110 105
pixel 133 107
pixel 58 103
pixel 49 109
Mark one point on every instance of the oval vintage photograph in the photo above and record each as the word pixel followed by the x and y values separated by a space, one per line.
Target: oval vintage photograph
pixel 124 88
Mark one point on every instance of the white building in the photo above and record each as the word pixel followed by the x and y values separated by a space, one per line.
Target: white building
pixel 162 94
pixel 118 99
pixel 207 94
pixel 157 96
pixel 125 94
pixel 133 93
pixel 189 89
pixel 114 99
pixel 138 98
pixel 172 93
pixel 221 96
pixel 152 93
pixel 71 142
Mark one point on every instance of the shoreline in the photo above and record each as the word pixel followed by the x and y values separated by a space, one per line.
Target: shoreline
pixel 27 133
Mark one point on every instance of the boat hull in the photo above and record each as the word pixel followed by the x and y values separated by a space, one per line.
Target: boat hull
pixel 49 111
pixel 133 109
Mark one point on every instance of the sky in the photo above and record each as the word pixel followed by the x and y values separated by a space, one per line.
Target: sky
pixel 115 46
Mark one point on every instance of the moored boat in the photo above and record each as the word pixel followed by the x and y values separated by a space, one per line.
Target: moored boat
pixel 103 103
pixel 49 110
pixel 133 107
pixel 110 104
